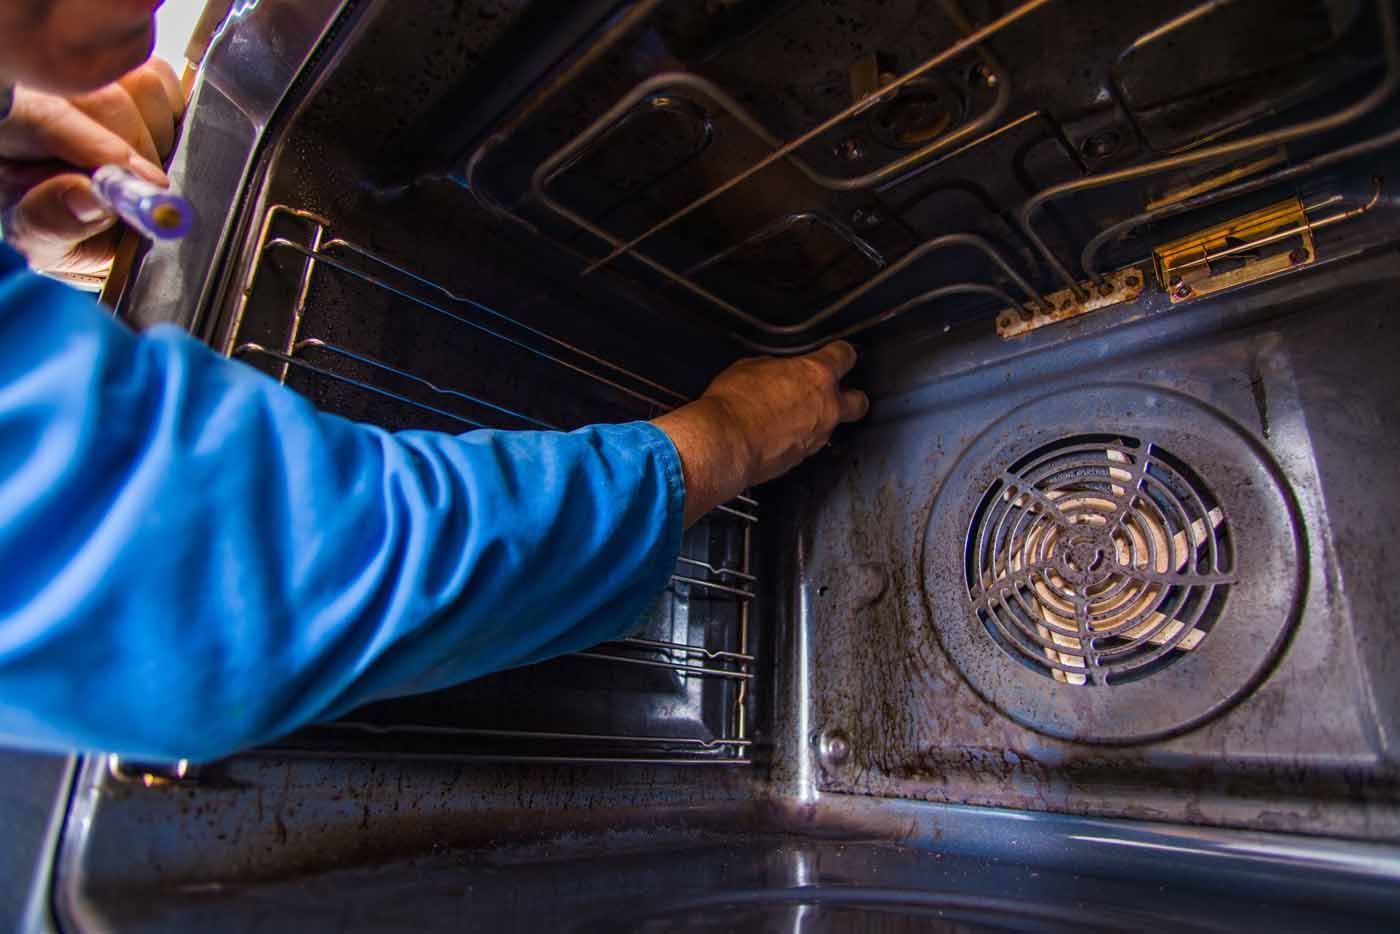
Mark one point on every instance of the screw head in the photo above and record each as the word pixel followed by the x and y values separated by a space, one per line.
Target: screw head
pixel 1102 144
pixel 1105 289
pixel 1131 280
pixel 833 748
pixel 1182 291
pixel 1297 255
pixel 852 149
pixel 867 584
pixel 865 218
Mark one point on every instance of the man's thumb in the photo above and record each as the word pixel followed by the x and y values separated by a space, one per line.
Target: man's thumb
pixel 61 227
pixel 63 210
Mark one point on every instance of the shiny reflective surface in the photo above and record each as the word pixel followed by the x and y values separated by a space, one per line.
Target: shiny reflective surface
pixel 245 76
pixel 884 794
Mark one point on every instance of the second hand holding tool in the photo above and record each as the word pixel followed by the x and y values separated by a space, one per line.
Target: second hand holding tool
pixel 153 211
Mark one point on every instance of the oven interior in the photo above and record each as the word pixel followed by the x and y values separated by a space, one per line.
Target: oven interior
pixel 1114 543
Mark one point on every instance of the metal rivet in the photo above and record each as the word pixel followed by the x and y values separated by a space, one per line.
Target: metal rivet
pixel 1130 280
pixel 1298 255
pixel 865 218
pixel 1182 291
pixel 984 75
pixel 1102 145
pixel 176 773
pixel 852 149
pixel 833 748
pixel 868 582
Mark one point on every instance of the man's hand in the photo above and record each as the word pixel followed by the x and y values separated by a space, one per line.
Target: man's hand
pixel 50 212
pixel 759 419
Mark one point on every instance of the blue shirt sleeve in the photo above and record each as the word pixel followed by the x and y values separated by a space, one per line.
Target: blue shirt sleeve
pixel 194 560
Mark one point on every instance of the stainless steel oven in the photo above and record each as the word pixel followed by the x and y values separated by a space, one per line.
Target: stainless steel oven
pixel 1090 624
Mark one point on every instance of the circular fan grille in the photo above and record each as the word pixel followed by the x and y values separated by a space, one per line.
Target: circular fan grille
pixel 1099 559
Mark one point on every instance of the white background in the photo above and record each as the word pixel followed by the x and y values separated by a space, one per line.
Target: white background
pixel 174 23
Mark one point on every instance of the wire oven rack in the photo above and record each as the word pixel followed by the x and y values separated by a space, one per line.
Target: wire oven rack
pixel 677 90
pixel 714 669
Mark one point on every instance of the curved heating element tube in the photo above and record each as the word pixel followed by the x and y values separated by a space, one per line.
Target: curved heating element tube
pixel 964 44
pixel 1088 259
pixel 568 155
pixel 944 242
pixel 562 159
pixel 787 221
pixel 656 103
pixel 1152 36
pixel 947 241
pixel 636 17
pixel 550 167
pixel 957 288
pixel 625 109
pixel 1355 111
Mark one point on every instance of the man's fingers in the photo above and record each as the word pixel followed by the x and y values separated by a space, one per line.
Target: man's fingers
pixel 115 109
pixel 838 355
pixel 62 131
pixel 169 81
pixel 148 93
pixel 56 225
pixel 63 208
pixel 854 404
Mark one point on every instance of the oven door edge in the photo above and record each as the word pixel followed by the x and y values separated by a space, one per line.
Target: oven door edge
pixel 256 58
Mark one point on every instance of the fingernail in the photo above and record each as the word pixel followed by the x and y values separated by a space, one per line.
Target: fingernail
pixel 148 170
pixel 83 204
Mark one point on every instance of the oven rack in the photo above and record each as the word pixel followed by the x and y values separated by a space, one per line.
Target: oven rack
pixel 723 659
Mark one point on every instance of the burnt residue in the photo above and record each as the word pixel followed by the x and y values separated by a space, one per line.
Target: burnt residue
pixel 1300 754
pixel 1260 392
pixel 869 583
pixel 319 815
pixel 784 879
pixel 888 639
pixel 1285 758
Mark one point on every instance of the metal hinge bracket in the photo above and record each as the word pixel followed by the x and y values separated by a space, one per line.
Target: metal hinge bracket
pixel 1262 243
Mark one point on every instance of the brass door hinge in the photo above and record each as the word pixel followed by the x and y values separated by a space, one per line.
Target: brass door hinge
pixel 1261 243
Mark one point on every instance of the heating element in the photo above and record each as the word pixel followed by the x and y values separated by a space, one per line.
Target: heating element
pixel 663 216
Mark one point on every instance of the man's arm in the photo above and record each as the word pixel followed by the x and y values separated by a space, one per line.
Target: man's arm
pixel 196 560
